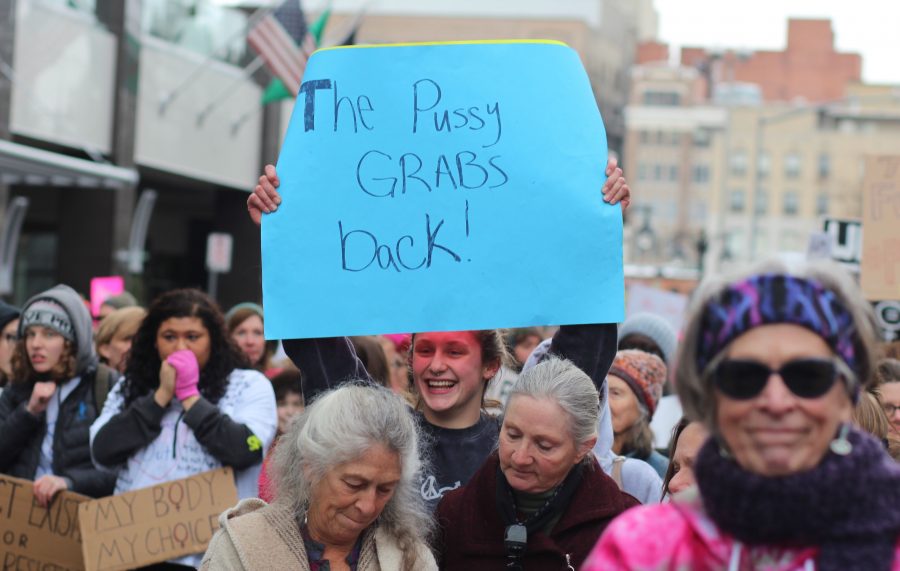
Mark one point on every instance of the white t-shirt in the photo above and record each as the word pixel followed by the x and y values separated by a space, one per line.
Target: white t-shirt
pixel 45 464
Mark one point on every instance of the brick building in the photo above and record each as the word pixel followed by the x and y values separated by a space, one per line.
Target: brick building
pixel 809 69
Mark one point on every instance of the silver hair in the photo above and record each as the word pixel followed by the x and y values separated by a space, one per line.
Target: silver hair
pixel 695 387
pixel 568 386
pixel 340 426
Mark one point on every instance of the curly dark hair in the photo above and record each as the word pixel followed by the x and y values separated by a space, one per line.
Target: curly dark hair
pixel 142 370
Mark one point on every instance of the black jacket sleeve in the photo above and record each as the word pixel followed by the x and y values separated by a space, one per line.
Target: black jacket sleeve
pixel 325 363
pixel 17 425
pixel 232 443
pixel 128 431
pixel 90 481
pixel 592 348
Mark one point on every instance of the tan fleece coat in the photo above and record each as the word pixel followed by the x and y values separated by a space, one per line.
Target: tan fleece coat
pixel 255 536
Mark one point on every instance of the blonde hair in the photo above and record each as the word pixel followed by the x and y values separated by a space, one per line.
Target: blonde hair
pixel 125 321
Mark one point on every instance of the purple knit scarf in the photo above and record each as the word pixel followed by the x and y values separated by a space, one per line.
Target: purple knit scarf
pixel 847 505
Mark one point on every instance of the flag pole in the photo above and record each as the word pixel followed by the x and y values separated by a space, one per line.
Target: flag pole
pixel 249 70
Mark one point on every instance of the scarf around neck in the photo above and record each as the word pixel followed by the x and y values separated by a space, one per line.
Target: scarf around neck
pixel 556 505
pixel 849 506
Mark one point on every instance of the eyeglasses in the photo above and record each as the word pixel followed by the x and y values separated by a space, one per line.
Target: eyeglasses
pixel 10 338
pixel 743 379
pixel 890 409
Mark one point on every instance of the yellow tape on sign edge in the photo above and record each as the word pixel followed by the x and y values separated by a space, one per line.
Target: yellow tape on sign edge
pixel 450 43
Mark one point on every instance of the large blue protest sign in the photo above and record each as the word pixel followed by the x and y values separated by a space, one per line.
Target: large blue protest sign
pixel 442 187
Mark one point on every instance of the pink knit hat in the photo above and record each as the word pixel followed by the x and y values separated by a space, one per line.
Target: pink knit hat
pixel 645 374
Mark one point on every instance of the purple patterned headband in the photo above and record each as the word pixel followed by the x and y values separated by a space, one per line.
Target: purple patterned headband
pixel 776 298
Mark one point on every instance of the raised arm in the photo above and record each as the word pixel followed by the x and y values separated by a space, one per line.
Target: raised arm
pixel 325 362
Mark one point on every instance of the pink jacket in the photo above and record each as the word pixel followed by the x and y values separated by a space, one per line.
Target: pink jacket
pixel 679 536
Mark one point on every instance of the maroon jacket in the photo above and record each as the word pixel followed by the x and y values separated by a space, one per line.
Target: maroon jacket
pixel 471 529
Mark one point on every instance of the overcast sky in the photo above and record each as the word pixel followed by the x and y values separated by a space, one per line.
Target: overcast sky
pixel 868 27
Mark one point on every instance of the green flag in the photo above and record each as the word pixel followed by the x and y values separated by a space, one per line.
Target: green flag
pixel 318 27
pixel 276 91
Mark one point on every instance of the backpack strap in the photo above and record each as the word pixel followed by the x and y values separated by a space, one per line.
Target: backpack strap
pixel 618 461
pixel 104 380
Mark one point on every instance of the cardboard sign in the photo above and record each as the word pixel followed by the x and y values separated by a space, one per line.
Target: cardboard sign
pixel 880 275
pixel 441 187
pixel 104 288
pixel 155 524
pixel 32 537
pixel 666 304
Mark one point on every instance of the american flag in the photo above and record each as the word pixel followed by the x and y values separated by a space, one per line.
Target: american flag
pixel 283 41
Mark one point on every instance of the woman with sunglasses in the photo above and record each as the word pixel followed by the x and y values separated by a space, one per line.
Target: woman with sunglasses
pixel 771 364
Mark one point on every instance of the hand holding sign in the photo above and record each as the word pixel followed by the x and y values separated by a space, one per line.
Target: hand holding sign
pixel 48 486
pixel 425 183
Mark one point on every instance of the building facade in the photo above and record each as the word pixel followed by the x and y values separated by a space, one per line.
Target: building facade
pixel 132 129
pixel 730 171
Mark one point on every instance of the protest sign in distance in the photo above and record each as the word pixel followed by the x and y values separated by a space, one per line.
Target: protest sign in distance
pixel 442 187
pixel 32 537
pixel 880 267
pixel 155 524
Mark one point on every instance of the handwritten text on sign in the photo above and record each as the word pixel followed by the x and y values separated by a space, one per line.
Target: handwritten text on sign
pixel 155 524
pixel 435 174
pixel 32 537
pixel 880 275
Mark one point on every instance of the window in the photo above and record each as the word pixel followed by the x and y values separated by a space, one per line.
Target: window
pixel 822 204
pixel 737 163
pixel 763 164
pixel 698 211
pixel 792 165
pixel 643 171
pixel 761 202
pixel 662 98
pixel 736 200
pixel 791 203
pixel 657 172
pixel 673 172
pixel 735 243
pixel 702 138
pixel 700 174
pixel 824 165
pixel 203 27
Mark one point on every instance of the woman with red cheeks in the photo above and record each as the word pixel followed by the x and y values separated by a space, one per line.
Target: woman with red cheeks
pixel 450 376
pixel 450 370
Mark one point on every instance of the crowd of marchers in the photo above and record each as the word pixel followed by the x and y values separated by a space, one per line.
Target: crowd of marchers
pixel 529 449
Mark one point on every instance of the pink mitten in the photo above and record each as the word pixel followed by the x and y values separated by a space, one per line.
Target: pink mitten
pixel 187 373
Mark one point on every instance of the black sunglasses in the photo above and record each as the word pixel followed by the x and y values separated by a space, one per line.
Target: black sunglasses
pixel 744 379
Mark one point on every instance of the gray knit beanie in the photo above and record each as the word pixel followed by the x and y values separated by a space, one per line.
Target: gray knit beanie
pixel 654 327
pixel 48 313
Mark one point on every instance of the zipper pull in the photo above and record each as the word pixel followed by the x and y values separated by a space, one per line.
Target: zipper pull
pixel 569 563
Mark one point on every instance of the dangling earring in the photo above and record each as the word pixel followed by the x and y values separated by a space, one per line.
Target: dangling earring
pixel 840 445
pixel 723 452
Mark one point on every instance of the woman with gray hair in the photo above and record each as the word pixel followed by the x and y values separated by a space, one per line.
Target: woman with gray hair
pixel 346 477
pixel 771 363
pixel 541 500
